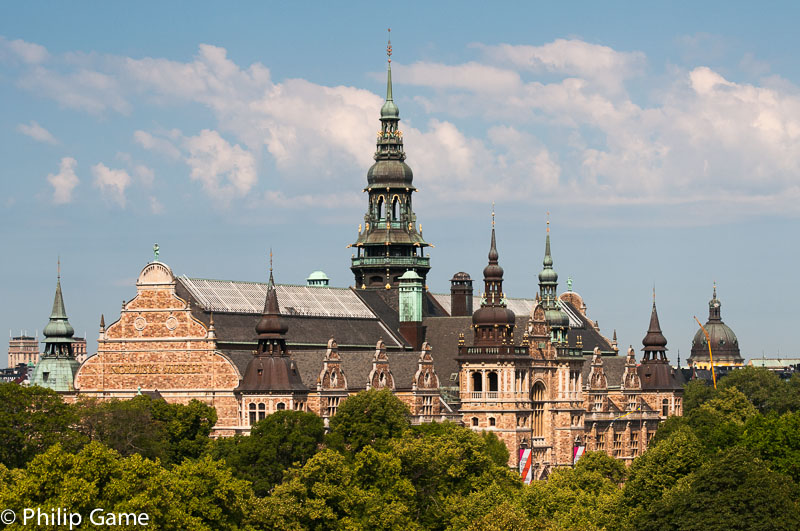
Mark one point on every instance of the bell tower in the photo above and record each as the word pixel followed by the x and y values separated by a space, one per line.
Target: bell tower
pixel 389 243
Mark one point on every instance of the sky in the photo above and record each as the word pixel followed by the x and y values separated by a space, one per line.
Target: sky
pixel 663 140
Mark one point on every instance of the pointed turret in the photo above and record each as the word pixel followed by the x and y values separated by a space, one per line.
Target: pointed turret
pixel 493 321
pixel 548 288
pixel 390 243
pixel 655 344
pixel 271 369
pixel 57 367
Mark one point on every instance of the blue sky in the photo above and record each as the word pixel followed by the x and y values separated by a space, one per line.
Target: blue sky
pixel 664 140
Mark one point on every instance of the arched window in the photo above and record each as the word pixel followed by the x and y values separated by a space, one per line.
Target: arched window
pixel 493 381
pixel 281 406
pixel 262 411
pixel 477 382
pixel 252 412
pixel 380 208
pixel 395 206
pixel 664 407
pixel 537 397
pixel 491 421
pixel 474 421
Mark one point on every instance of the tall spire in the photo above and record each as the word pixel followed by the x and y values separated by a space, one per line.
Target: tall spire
pixel 548 278
pixel 271 328
pixel 389 111
pixel 655 344
pixel 714 307
pixel 493 321
pixel 58 332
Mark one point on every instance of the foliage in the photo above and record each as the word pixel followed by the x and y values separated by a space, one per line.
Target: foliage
pixel 776 440
pixel 497 449
pixel 604 464
pixel 579 498
pixel 31 420
pixel 695 394
pixel 154 429
pixel 731 491
pixel 764 389
pixel 368 418
pixel 662 466
pixel 276 443
pixel 198 495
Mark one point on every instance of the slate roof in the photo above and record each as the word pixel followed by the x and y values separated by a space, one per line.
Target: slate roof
pixel 613 367
pixel 356 365
pixel 312 329
pixel 581 326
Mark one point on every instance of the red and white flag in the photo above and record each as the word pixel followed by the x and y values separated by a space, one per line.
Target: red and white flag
pixel 525 466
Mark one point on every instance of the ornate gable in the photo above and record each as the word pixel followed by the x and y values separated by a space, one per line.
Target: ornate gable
pixel 380 376
pixel 425 377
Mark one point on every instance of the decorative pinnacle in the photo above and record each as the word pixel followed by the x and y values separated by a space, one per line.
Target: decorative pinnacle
pixel 59 268
pixel 155 252
pixel 389 45
pixel 492 214
pixel 270 260
pixel 548 222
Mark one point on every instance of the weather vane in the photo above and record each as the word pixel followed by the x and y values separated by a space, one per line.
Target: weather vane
pixel 155 252
pixel 389 46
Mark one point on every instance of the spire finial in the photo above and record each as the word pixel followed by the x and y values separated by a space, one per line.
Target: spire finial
pixel 654 294
pixel 715 289
pixel 270 260
pixel 59 268
pixel 155 252
pixel 492 214
pixel 389 46
pixel 548 222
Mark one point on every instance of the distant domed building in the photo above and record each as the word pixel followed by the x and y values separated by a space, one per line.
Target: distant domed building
pixel 724 345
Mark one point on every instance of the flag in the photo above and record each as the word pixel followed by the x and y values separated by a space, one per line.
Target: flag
pixel 577 452
pixel 525 466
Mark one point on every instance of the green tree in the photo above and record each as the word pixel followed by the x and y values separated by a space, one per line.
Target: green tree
pixel 368 418
pixel 604 464
pixel 276 443
pixel 31 420
pixel 662 466
pixel 152 428
pixel 332 492
pixel 732 491
pixel 695 394
pixel 200 495
pixel 448 461
pixel 126 426
pixel 187 427
pixel 765 390
pixel 776 440
pixel 575 499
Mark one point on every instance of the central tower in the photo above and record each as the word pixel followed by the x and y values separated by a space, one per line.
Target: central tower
pixel 389 244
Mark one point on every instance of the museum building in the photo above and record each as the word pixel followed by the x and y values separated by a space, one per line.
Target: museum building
pixel 536 371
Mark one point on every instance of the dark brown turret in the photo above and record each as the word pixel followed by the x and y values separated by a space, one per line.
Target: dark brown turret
pixel 271 368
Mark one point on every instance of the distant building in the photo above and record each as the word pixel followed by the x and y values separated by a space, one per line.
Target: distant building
pixel 785 367
pixel 16 374
pixel 23 349
pixel 724 344
pixel 79 348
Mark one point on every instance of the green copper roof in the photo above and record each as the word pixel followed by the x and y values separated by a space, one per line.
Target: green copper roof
pixel 55 373
pixel 548 274
pixel 58 330
pixel 410 275
pixel 318 275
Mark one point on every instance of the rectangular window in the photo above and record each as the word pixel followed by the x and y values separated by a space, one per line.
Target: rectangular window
pixel 333 403
pixel 598 402
pixel 601 442
pixel 632 399
pixel 252 417
pixel 678 405
pixel 427 406
pixel 635 442
pixel 617 445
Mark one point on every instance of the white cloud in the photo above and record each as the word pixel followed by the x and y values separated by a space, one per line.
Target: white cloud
pixel 155 206
pixel 222 168
pixel 112 183
pixel 27 52
pixel 64 182
pixel 556 124
pixel 160 145
pixel 37 132
pixel 601 64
